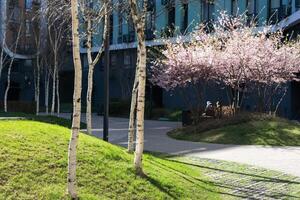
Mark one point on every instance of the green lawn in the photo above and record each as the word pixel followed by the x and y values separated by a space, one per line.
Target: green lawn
pixel 246 131
pixel 33 165
pixel 42 118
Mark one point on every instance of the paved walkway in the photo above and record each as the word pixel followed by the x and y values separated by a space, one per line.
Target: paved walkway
pixel 284 159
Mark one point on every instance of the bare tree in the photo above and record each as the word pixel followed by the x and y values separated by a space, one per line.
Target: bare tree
pixel 47 77
pixel 56 39
pixel 38 40
pixel 58 27
pixel 19 30
pixel 92 17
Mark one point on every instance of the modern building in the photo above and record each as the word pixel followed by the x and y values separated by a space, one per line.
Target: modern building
pixel 164 19
pixel 18 43
pixel 170 18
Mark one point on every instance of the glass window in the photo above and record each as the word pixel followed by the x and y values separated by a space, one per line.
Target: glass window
pixel 208 9
pixel 127 58
pixel 184 16
pixel 252 7
pixel 28 28
pixel 297 2
pixel 28 4
pixel 234 7
pixel 275 8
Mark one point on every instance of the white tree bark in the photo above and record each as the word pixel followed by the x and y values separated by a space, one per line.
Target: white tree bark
pixel 8 84
pixel 72 186
pixel 132 116
pixel 140 110
pixel 53 89
pixel 90 79
pixel 9 68
pixel 92 63
pixel 55 31
pixel 2 59
pixel 138 18
pixel 47 80
pixel 37 88
pixel 57 94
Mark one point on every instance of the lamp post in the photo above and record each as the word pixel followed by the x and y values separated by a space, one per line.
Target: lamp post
pixel 106 79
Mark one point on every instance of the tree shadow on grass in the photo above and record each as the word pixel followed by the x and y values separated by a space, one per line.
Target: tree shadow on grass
pixel 159 186
pixel 196 181
pixel 255 190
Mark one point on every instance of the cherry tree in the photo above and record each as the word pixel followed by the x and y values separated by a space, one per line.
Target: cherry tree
pixel 234 54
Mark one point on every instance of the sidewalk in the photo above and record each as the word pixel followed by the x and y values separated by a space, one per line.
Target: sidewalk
pixel 284 159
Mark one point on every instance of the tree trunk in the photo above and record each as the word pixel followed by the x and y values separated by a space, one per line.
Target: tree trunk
pixel 132 116
pixel 72 161
pixel 92 63
pixel 8 84
pixel 53 89
pixel 89 100
pixel 9 68
pixel 38 88
pixel 57 94
pixel 138 17
pixel 140 111
pixel 2 59
pixel 47 80
pixel 90 79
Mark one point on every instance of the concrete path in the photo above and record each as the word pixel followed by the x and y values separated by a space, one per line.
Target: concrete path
pixel 284 159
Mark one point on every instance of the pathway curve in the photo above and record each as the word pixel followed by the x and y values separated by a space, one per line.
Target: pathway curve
pixel 284 159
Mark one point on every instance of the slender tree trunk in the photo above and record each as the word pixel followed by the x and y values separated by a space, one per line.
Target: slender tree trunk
pixel 138 17
pixel 57 94
pixel 92 62
pixel 38 91
pixel 53 89
pixel 132 115
pixel 72 161
pixel 90 79
pixel 1 70
pixel 2 55
pixel 47 80
pixel 38 88
pixel 9 68
pixel 280 100
pixel 140 111
pixel 1 63
pixel 8 84
pixel 89 100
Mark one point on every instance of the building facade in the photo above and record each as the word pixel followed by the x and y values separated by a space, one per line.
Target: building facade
pixel 18 44
pixel 164 19
pixel 170 18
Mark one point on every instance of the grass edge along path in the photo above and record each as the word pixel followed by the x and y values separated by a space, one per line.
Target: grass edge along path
pixel 269 131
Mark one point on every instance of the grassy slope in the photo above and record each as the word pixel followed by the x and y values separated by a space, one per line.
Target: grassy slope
pixel 33 164
pixel 42 118
pixel 264 131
